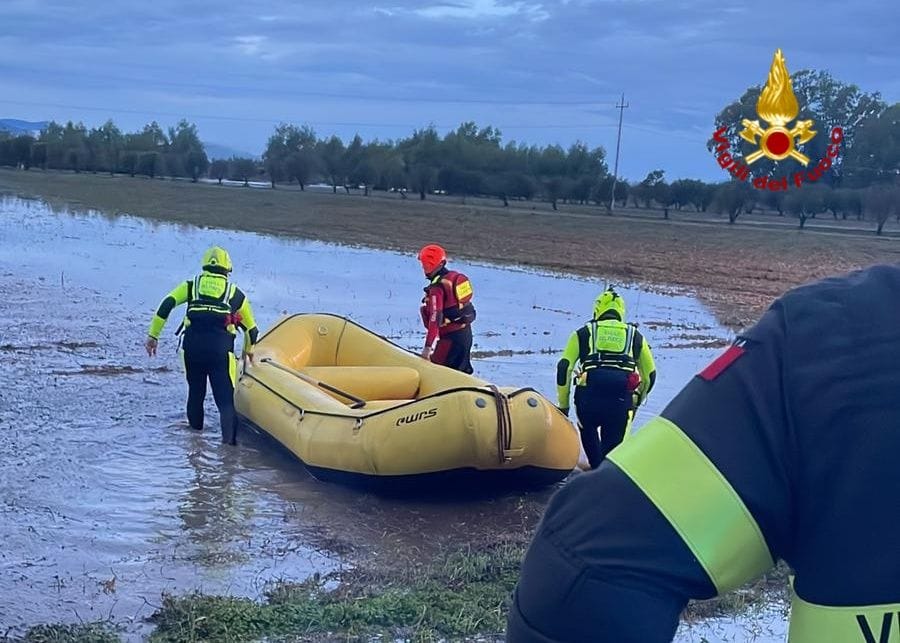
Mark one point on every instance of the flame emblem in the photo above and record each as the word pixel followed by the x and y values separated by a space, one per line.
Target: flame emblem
pixel 777 106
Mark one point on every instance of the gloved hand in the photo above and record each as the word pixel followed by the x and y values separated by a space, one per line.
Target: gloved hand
pixel 564 410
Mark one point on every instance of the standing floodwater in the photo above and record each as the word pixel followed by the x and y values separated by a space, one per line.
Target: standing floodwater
pixel 107 499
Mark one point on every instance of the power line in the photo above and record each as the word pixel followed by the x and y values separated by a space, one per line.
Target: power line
pixel 407 125
pixel 249 119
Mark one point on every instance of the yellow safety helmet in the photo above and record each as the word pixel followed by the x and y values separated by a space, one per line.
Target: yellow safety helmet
pixel 609 300
pixel 216 257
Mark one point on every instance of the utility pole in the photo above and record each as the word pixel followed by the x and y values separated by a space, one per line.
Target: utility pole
pixel 612 198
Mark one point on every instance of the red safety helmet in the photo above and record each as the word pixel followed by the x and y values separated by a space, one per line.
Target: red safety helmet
pixel 432 257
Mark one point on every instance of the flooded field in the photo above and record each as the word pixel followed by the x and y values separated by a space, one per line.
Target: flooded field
pixel 107 500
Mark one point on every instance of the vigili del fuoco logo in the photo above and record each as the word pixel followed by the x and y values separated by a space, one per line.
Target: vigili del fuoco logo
pixel 778 140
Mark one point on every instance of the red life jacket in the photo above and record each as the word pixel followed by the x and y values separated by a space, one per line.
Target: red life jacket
pixel 457 291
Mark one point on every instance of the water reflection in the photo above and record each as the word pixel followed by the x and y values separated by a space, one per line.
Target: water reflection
pixel 214 511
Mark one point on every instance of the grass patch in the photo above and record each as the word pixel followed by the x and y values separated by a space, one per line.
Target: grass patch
pixel 78 633
pixel 460 595
pixel 465 594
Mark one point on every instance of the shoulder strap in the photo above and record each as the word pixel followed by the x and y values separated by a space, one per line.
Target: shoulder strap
pixel 227 292
pixel 629 340
pixel 584 341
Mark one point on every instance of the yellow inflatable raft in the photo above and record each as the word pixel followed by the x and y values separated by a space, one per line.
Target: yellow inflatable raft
pixel 357 409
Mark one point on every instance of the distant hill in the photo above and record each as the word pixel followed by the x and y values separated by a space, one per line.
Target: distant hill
pixel 216 151
pixel 15 126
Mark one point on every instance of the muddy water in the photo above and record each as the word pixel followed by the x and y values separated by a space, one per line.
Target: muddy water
pixel 107 500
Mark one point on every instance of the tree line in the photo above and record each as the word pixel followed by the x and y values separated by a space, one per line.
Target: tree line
pixel 864 181
pixel 468 161
pixel 151 151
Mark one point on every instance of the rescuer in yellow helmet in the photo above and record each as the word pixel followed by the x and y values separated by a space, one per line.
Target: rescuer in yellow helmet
pixel 613 370
pixel 216 309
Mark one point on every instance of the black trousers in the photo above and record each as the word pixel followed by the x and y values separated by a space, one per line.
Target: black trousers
pixel 217 366
pixel 602 404
pixel 454 350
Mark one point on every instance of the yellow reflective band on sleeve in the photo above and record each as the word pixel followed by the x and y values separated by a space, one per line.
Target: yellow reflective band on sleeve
pixel 463 289
pixel 811 623
pixel 697 501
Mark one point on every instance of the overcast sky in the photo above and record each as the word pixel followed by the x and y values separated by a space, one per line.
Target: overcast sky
pixel 542 72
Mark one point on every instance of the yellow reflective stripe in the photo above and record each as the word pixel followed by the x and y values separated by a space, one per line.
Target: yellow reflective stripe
pixel 627 435
pixel 463 289
pixel 697 500
pixel 208 308
pixel 232 368
pixel 811 623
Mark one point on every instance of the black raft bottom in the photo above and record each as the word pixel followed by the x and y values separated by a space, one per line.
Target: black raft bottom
pixel 454 482
pixel 465 481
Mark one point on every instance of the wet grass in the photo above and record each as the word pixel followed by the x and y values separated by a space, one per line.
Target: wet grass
pixel 78 633
pixel 463 595
pixel 736 269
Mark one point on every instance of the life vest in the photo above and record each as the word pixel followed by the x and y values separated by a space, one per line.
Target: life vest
pixel 209 304
pixel 457 290
pixel 607 344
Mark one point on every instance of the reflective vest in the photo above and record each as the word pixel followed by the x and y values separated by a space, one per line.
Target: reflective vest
pixel 812 623
pixel 663 461
pixel 607 343
pixel 209 304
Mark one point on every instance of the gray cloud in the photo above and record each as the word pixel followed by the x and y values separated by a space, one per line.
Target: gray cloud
pixel 542 71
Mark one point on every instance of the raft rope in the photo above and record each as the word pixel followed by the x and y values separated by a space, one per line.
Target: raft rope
pixel 504 424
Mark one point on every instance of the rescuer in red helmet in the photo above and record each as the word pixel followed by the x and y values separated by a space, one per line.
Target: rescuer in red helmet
pixel 447 311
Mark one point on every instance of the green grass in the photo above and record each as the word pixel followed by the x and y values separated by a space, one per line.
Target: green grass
pixel 463 595
pixel 79 633
pixel 460 595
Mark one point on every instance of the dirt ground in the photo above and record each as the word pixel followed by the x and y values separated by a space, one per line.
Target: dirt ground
pixel 735 269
